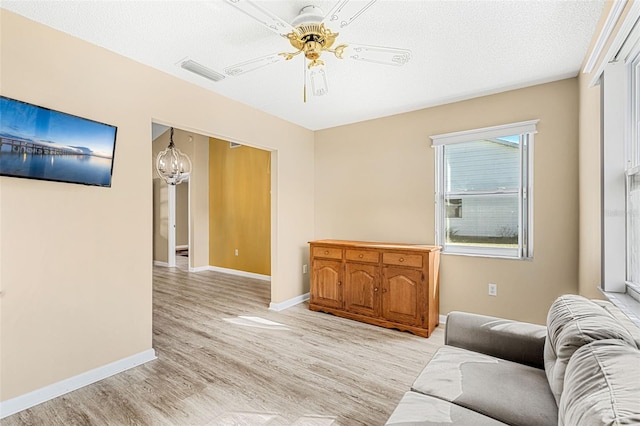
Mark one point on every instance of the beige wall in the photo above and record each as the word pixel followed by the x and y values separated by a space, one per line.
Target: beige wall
pixel 240 206
pixel 375 181
pixel 77 283
pixel 182 214
pixel 199 202
pixel 160 203
pixel 589 266
pixel 160 221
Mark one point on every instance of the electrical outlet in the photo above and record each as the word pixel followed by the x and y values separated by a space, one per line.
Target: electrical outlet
pixel 493 289
pixel 236 252
pixel 304 268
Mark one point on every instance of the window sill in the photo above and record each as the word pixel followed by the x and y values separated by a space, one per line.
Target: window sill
pixel 627 304
pixel 485 255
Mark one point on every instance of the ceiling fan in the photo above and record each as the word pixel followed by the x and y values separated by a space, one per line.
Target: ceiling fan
pixel 311 35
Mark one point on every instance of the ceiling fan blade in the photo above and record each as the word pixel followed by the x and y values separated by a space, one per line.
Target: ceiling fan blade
pixel 318 80
pixel 377 54
pixel 345 12
pixel 262 15
pixel 253 64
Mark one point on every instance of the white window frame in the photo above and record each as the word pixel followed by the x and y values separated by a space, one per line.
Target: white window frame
pixel 526 130
pixel 633 145
pixel 632 149
pixel 620 154
pixel 615 87
pixel 614 78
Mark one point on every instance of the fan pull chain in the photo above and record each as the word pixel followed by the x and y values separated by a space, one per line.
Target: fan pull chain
pixel 304 65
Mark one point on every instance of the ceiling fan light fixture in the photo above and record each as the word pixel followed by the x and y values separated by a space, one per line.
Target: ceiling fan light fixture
pixel 308 14
pixel 311 37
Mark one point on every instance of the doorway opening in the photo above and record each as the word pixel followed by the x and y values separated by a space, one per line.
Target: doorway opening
pixel 220 218
pixel 171 205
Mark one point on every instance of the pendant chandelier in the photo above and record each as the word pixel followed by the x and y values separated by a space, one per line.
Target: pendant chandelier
pixel 173 166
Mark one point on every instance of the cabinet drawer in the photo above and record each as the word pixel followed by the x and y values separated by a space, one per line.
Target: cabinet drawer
pixel 327 252
pixel 363 256
pixel 402 259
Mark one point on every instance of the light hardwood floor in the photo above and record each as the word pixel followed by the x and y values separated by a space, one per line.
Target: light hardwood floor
pixel 214 368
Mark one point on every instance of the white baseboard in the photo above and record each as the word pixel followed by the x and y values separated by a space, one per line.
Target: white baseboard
pixel 158 263
pixel 38 396
pixel 281 306
pixel 198 268
pixel 240 273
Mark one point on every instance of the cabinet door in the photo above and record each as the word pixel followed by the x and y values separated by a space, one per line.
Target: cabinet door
pixel 326 283
pixel 401 295
pixel 361 288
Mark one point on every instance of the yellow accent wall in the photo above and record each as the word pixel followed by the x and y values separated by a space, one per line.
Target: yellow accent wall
pixel 240 207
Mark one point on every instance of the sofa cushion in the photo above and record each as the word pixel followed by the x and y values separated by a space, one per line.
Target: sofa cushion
pixel 602 385
pixel 512 393
pixel 574 321
pixel 516 341
pixel 416 409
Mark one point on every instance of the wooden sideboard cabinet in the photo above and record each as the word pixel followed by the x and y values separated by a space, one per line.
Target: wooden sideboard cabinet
pixel 385 284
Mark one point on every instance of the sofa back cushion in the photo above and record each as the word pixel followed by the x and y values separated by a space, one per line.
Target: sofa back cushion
pixel 574 321
pixel 602 385
pixel 624 320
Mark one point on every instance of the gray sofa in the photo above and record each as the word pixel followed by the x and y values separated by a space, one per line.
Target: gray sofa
pixel 583 368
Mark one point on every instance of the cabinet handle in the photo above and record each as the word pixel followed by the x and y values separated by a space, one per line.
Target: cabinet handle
pixel 401 259
pixel 326 252
pixel 375 289
pixel 361 256
pixel 339 282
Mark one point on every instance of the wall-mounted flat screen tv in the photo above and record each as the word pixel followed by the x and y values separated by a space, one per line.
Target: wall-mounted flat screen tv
pixel 41 143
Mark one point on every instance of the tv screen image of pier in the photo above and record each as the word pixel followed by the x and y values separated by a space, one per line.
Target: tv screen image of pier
pixel 41 143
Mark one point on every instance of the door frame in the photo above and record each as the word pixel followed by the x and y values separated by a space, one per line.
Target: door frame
pixel 171 224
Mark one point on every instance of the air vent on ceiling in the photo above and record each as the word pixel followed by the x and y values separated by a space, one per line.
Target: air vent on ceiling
pixel 201 70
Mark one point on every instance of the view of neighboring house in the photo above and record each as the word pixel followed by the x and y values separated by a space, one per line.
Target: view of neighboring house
pixel 482 203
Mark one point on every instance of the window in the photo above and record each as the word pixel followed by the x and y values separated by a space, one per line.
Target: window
pixel 633 179
pixel 488 171
pixel 620 90
pixel 618 76
pixel 633 224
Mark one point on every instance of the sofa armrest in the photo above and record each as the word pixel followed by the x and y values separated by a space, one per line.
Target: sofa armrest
pixel 516 341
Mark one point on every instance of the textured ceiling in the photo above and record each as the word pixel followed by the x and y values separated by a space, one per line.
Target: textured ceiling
pixel 459 49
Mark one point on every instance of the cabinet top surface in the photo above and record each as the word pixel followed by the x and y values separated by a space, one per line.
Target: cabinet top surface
pixel 377 245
